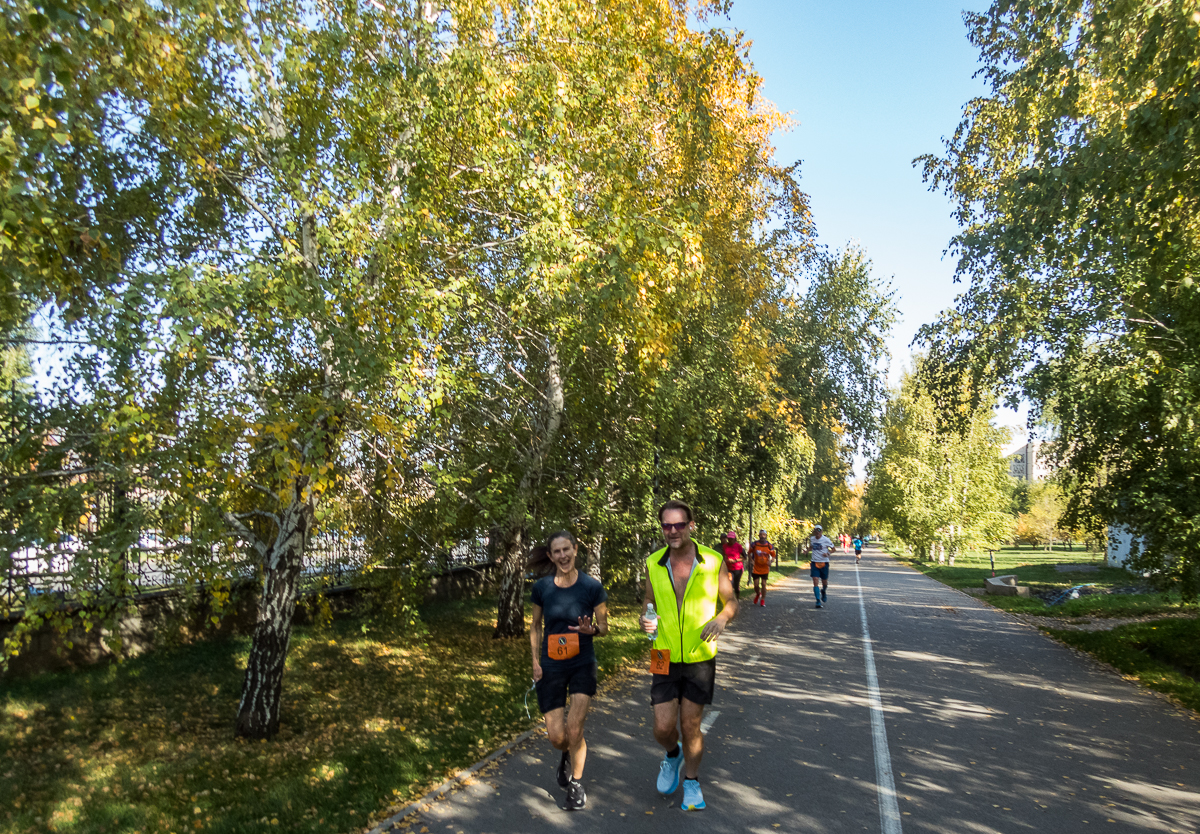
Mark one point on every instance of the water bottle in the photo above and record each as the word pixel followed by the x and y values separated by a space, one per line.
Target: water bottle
pixel 652 615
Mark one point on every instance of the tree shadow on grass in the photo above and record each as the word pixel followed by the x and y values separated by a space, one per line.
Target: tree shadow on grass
pixel 369 719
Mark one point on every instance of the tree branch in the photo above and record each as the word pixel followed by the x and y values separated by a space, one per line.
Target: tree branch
pixel 246 533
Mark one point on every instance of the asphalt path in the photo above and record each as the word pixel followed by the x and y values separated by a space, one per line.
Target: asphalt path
pixel 940 714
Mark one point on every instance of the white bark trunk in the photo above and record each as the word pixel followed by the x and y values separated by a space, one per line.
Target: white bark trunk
pixel 510 608
pixel 262 686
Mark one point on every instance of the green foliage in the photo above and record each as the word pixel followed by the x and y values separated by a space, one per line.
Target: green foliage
pixel 392 598
pixel 832 370
pixel 417 279
pixel 1076 189
pixel 631 305
pixel 1019 498
pixel 1042 522
pixel 258 304
pixel 932 483
pixel 67 190
pixel 15 366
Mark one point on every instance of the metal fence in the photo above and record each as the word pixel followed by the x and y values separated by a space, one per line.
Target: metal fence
pixel 116 547
pixel 66 569
pixel 73 567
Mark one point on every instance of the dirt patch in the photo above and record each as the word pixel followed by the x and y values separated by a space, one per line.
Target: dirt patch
pixel 1054 596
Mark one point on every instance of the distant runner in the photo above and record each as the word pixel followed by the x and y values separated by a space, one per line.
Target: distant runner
pixel 734 554
pixel 857 549
pixel 819 548
pixel 564 660
pixel 761 554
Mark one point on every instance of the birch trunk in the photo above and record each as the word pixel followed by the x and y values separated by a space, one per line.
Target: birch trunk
pixel 262 687
pixel 593 561
pixel 510 607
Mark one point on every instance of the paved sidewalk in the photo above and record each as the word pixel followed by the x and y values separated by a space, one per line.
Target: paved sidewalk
pixel 990 727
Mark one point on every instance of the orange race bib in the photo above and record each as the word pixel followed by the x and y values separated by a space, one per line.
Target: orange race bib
pixel 660 661
pixel 562 646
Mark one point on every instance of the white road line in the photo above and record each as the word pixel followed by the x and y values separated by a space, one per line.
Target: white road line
pixel 708 720
pixel 889 809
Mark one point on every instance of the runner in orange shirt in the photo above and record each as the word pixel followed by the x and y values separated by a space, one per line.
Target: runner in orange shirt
pixel 761 554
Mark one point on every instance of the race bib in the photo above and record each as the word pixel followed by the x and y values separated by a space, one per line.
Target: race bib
pixel 562 646
pixel 660 661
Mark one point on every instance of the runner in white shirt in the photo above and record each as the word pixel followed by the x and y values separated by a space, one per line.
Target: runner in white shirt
pixel 819 548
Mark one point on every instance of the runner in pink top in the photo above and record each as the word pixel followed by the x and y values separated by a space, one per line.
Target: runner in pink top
pixel 734 553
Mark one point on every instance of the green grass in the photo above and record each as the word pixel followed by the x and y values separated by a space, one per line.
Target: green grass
pixel 369 721
pixel 1035 568
pixel 1164 655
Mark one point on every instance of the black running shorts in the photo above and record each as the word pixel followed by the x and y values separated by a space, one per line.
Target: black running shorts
pixel 553 687
pixel 694 681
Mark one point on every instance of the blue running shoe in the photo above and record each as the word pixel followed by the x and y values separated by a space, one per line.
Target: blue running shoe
pixel 693 797
pixel 668 772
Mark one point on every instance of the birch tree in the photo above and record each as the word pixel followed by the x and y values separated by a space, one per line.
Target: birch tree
pixel 292 268
pixel 1075 184
pixel 934 484
pixel 641 163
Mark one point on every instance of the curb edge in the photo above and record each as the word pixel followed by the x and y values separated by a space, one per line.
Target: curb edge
pixel 457 779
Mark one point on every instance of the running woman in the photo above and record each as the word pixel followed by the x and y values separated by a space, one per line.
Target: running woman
pixel 734 554
pixel 819 548
pixel 573 608
pixel 857 549
pixel 761 554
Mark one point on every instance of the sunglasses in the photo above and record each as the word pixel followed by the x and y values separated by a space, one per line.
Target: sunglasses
pixel 677 527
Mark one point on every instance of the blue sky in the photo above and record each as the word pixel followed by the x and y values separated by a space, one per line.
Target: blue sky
pixel 872 85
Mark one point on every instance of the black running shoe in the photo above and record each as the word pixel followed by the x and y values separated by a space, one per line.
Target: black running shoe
pixel 576 798
pixel 563 774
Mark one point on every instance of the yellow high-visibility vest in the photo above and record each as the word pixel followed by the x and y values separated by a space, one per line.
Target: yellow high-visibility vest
pixel 701 602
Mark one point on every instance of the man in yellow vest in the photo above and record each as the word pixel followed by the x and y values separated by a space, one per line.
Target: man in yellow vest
pixel 693 593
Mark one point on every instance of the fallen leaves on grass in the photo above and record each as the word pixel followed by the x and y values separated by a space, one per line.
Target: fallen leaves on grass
pixel 368 723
